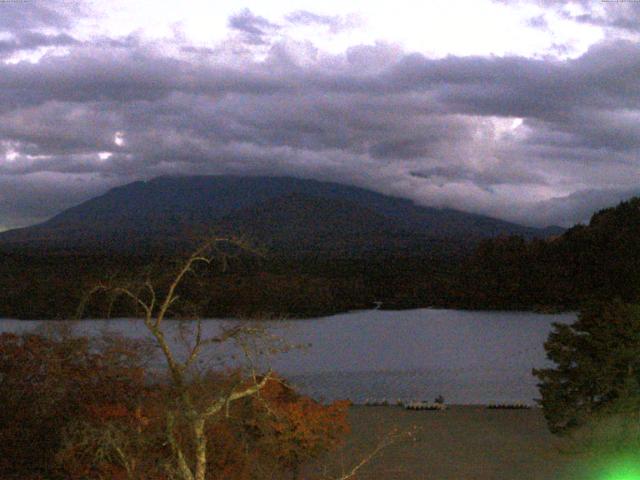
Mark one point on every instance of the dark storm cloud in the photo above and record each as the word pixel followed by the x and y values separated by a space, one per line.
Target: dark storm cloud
pixel 91 74
pixel 590 102
pixel 114 110
pixel 31 25
pixel 21 15
pixel 32 40
pixel 620 14
pixel 256 29
pixel 604 77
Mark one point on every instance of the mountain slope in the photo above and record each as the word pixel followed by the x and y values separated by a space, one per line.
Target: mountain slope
pixel 281 212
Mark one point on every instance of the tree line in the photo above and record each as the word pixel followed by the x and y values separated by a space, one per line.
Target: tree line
pixel 600 260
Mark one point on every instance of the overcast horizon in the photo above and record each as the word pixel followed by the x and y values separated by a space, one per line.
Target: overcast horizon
pixel 528 111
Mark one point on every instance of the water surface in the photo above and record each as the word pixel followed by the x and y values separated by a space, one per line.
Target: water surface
pixel 466 356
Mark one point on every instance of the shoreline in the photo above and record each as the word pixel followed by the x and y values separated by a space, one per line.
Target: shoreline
pixel 276 319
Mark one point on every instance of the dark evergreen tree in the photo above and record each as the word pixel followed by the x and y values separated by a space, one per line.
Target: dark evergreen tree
pixel 597 368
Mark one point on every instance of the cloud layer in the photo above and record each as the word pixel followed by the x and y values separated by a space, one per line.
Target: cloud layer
pixel 536 140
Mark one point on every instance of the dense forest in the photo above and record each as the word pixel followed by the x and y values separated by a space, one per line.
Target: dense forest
pixel 598 260
pixel 52 286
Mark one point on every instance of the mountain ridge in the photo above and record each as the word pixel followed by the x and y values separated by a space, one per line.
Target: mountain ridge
pixel 166 209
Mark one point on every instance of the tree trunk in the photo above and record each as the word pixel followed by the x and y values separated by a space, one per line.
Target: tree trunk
pixel 201 448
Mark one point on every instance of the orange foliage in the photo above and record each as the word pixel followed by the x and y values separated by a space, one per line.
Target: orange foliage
pixel 74 411
pixel 46 384
pixel 276 431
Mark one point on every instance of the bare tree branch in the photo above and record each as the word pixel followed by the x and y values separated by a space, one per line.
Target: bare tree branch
pixel 391 438
pixel 237 395
pixel 188 406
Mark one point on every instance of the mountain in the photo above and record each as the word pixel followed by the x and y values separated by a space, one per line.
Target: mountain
pixel 282 213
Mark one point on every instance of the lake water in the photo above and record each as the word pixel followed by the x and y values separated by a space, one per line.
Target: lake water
pixel 468 357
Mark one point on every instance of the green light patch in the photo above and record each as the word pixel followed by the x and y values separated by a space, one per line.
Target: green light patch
pixel 611 468
pixel 621 469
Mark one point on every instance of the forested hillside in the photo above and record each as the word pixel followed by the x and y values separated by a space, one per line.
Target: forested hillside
pixel 598 260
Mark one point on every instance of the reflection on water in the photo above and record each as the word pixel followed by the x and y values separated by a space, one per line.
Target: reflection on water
pixel 466 356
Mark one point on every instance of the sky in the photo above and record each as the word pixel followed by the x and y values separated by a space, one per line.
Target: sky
pixel 523 110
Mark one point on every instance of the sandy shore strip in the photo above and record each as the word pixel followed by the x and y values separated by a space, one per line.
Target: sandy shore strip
pixel 460 443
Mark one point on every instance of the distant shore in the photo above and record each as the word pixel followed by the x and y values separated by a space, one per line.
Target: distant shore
pixel 539 309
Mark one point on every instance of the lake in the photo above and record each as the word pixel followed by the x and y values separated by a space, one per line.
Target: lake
pixel 469 357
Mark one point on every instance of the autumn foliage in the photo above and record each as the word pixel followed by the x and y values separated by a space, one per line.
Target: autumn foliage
pixel 275 432
pixel 79 409
pixel 46 383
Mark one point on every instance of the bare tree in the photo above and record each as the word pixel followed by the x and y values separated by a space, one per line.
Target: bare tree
pixel 190 406
pixel 197 414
